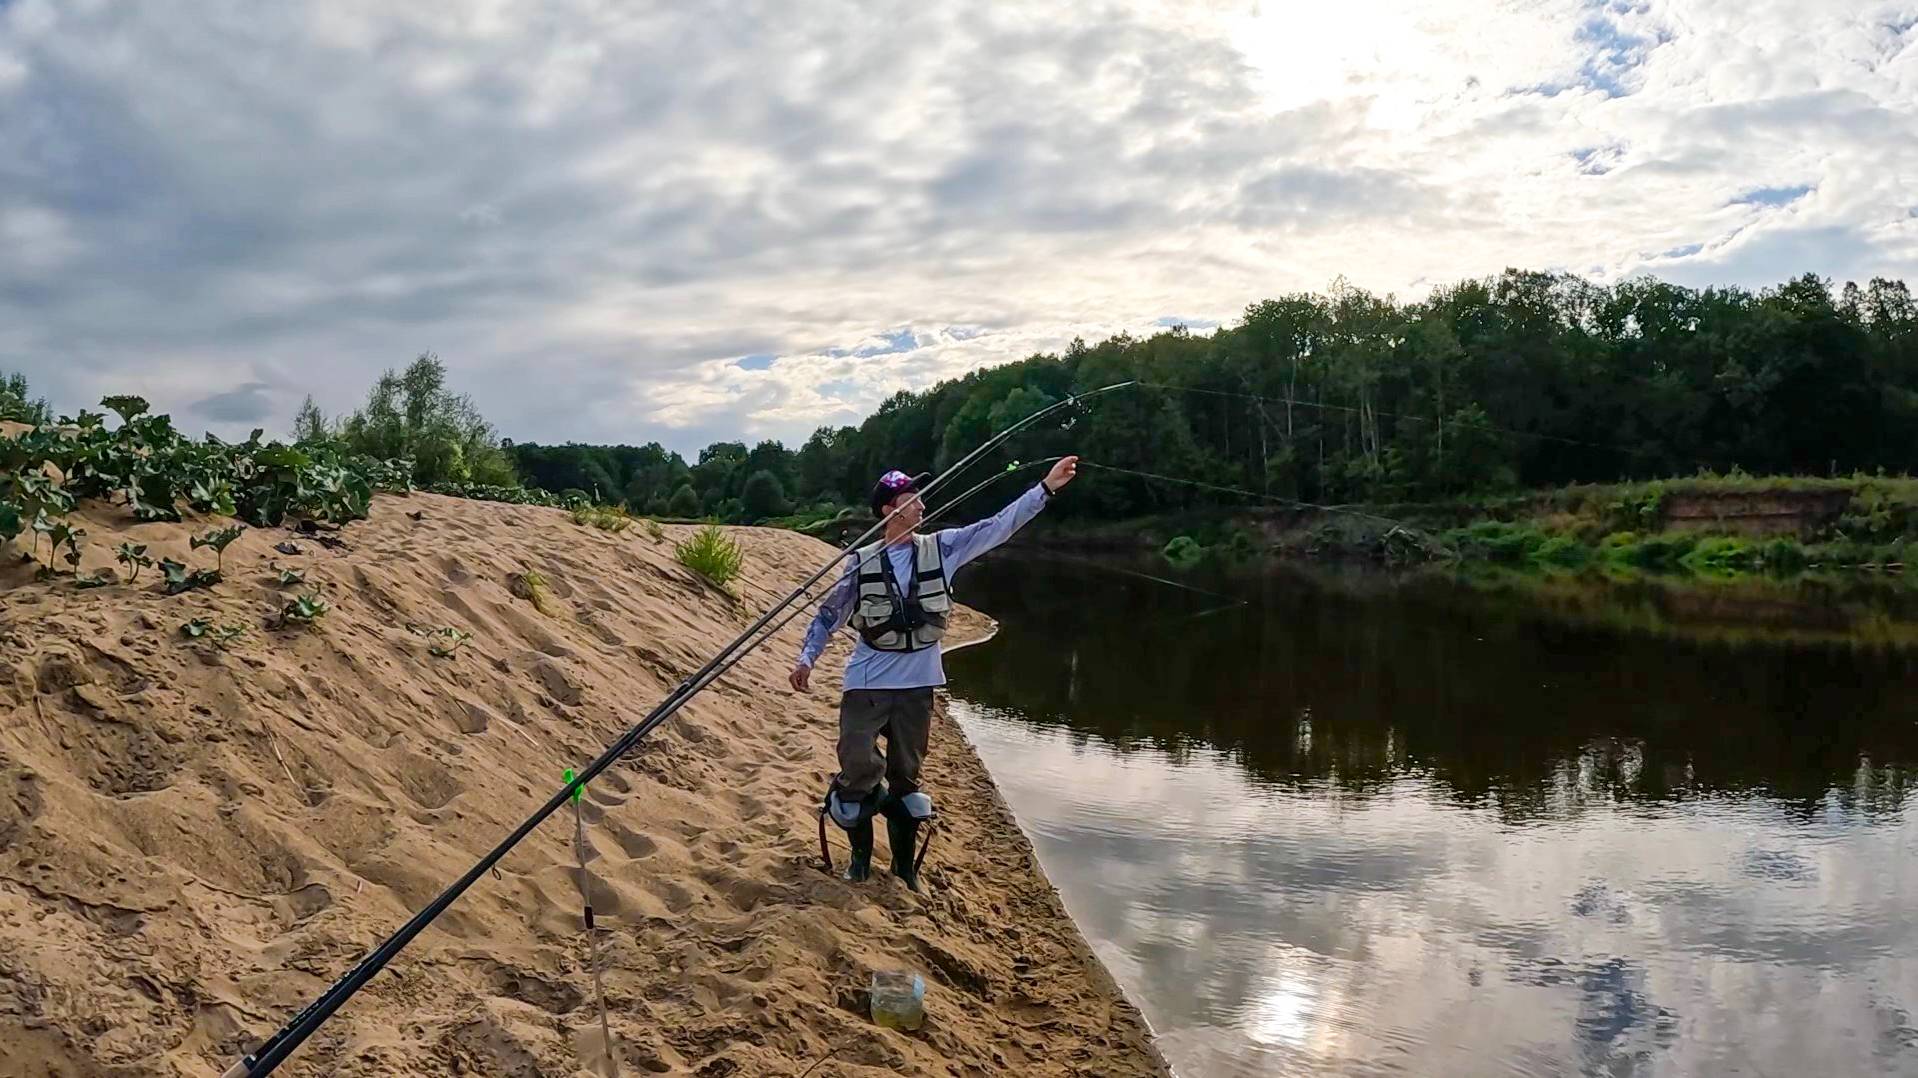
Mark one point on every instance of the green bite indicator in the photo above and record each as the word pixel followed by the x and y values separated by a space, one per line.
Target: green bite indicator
pixel 569 779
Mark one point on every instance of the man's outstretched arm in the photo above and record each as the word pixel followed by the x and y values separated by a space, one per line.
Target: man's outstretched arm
pixel 961 545
pixel 834 612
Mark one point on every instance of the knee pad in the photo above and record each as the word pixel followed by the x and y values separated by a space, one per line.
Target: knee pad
pixel 850 814
pixel 916 805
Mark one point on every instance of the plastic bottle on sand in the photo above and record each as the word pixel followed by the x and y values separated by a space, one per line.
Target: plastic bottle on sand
pixel 898 999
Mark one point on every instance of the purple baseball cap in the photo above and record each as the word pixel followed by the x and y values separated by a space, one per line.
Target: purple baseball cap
pixel 893 484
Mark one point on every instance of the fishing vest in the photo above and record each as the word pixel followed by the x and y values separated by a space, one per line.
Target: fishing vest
pixel 888 621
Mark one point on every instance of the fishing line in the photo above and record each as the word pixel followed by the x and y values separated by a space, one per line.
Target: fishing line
pixel 1454 424
pixel 289 1037
pixel 1214 610
pixel 1106 568
pixel 1397 524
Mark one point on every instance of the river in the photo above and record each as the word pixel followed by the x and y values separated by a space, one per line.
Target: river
pixel 1361 825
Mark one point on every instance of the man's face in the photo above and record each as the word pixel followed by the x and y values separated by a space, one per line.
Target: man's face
pixel 907 510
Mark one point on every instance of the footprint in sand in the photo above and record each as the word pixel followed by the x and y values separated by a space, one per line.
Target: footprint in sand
pixel 474 718
pixel 636 846
pixel 429 783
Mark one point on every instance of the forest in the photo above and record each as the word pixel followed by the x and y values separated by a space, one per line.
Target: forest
pixel 1486 387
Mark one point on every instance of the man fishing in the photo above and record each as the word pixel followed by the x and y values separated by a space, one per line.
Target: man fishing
pixel 897 595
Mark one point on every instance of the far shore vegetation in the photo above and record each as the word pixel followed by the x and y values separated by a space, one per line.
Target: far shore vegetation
pixel 1530 419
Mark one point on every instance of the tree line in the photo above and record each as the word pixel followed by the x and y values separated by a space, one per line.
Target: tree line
pixel 1522 380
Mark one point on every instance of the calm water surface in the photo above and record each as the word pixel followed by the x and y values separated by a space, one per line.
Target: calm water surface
pixel 1361 826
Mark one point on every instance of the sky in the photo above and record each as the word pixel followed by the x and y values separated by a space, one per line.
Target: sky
pixel 629 222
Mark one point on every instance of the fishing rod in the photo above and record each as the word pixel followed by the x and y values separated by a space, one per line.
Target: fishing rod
pixel 290 1036
pixel 800 608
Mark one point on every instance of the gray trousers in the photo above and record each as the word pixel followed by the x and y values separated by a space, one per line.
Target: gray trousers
pixel 904 718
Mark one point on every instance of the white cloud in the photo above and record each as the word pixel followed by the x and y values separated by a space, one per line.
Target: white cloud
pixel 630 199
pixel 34 237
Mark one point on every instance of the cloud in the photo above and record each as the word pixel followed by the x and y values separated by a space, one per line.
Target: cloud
pixel 1310 195
pixel 690 222
pixel 1839 252
pixel 251 403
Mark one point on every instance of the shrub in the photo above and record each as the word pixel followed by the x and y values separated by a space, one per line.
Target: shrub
pixel 1562 551
pixel 412 414
pixel 1183 552
pixel 1638 507
pixel 1240 545
pixel 531 586
pixel 1663 551
pixel 608 518
pixel 684 503
pixel 1497 540
pixel 712 555
pixel 1720 554
pixel 17 403
pixel 486 492
pixel 764 497
pixel 1782 556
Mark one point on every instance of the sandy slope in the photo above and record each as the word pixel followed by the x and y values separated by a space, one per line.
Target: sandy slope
pixel 193 843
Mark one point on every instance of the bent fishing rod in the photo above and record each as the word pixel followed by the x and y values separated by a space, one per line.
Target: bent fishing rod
pixel 799 608
pixel 283 1043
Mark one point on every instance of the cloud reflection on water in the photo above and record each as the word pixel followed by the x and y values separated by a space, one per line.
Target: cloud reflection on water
pixel 1305 928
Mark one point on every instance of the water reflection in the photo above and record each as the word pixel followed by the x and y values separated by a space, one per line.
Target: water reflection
pixel 1408 832
pixel 1360 677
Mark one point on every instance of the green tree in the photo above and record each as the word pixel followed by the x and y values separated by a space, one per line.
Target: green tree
pixel 18 405
pixel 413 414
pixel 684 503
pixel 764 497
pixel 309 424
pixel 825 465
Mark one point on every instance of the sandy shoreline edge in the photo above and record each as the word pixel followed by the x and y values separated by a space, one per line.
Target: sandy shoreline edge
pixel 195 841
pixel 981 629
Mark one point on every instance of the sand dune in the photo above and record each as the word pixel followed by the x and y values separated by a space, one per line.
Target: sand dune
pixel 194 841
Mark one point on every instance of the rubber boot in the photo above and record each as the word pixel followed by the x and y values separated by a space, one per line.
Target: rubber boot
pixel 859 868
pixel 902 833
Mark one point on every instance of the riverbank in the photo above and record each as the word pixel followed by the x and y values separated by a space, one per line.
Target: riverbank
pixel 196 839
pixel 1705 525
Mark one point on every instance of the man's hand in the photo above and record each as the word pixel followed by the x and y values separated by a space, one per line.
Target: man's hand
pixel 801 677
pixel 1061 474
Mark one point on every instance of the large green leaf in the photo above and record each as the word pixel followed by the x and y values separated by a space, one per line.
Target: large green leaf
pixel 155 498
pixel 282 456
pixel 128 407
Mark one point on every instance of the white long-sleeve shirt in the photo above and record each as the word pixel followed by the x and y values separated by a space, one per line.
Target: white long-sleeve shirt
pixel 870 668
